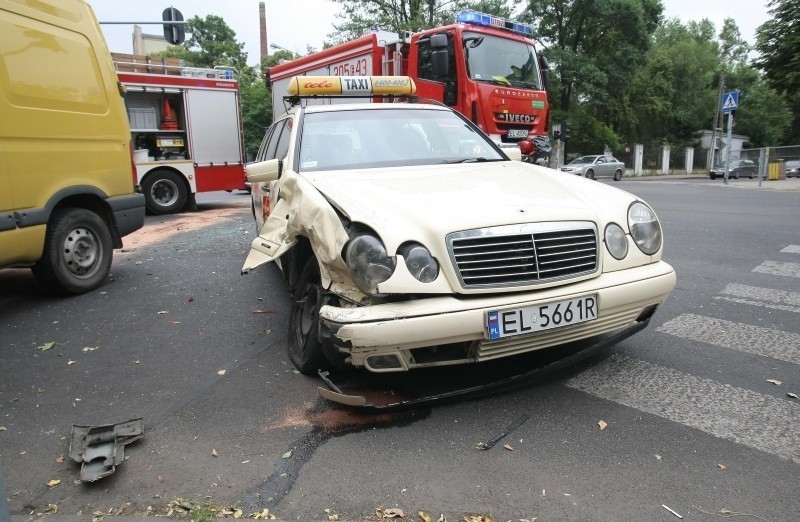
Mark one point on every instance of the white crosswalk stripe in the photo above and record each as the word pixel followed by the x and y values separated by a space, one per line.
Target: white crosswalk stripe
pixel 777 344
pixel 744 416
pixel 766 297
pixel 779 268
pixel 792 249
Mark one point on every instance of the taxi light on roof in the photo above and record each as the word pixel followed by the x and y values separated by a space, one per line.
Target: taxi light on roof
pixel 351 86
pixel 487 20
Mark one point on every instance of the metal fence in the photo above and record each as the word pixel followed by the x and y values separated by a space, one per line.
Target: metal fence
pixel 653 158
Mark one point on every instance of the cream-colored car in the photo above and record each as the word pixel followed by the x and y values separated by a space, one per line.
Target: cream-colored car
pixel 408 239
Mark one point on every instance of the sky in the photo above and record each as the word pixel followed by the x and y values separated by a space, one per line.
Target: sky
pixel 297 24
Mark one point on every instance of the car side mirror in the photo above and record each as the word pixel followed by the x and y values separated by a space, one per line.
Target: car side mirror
pixel 264 171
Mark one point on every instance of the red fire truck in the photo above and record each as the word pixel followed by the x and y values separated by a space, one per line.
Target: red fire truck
pixel 485 67
pixel 186 129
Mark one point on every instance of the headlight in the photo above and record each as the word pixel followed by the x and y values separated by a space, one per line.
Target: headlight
pixel 420 262
pixel 368 262
pixel 616 241
pixel 645 228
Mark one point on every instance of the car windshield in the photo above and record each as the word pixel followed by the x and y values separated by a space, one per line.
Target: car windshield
pixel 368 138
pixel 501 61
pixel 583 160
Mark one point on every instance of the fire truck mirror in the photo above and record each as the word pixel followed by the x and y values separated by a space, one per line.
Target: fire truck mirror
pixel 174 33
pixel 544 65
pixel 439 58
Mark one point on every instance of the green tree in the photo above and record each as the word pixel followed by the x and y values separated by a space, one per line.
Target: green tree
pixel 596 47
pixel 778 41
pixel 359 16
pixel 674 93
pixel 764 114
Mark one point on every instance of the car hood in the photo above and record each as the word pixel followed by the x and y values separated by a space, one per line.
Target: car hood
pixel 428 202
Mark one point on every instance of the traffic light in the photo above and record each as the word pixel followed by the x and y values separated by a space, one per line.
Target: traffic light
pixel 564 131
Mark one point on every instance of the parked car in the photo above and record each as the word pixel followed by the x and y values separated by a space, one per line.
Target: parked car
pixel 738 168
pixel 408 239
pixel 597 166
pixel 793 169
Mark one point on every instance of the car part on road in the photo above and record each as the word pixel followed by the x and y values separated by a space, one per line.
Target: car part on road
pixel 511 427
pixel 100 449
pixel 333 393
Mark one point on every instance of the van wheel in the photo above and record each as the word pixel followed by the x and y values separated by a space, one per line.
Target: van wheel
pixel 305 349
pixel 77 252
pixel 618 175
pixel 164 192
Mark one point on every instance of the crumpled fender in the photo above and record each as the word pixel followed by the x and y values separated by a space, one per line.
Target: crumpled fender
pixel 301 210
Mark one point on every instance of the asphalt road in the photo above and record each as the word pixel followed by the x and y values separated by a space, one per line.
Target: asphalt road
pixel 178 337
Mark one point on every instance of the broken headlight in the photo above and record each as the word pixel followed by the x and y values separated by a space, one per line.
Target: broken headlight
pixel 645 228
pixel 420 262
pixel 368 262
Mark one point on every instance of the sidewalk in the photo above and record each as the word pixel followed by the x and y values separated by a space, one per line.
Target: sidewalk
pixel 790 184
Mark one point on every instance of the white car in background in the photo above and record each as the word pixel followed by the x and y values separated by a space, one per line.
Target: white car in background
pixel 596 166
pixel 409 239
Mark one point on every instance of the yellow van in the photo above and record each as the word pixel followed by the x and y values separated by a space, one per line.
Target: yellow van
pixel 67 193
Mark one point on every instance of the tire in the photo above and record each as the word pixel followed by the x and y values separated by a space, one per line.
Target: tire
pixel 305 349
pixel 77 252
pixel 712 176
pixel 590 174
pixel 736 175
pixel 618 175
pixel 164 192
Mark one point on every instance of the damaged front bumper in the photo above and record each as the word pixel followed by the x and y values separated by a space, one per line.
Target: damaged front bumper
pixel 445 330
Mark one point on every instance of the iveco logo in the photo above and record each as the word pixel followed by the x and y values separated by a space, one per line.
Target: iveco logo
pixel 515 118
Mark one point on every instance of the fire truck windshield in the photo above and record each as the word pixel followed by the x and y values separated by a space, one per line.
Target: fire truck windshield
pixel 501 61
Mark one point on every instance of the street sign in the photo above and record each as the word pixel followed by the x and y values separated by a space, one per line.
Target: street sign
pixel 730 101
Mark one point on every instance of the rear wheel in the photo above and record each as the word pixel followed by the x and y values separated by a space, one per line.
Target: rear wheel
pixel 77 252
pixel 618 175
pixel 164 192
pixel 305 350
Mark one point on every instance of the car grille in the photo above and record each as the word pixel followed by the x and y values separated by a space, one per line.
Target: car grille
pixel 514 255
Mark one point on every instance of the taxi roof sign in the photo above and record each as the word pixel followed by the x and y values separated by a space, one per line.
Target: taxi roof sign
pixel 351 86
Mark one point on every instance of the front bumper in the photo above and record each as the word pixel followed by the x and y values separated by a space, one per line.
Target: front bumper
pixel 406 331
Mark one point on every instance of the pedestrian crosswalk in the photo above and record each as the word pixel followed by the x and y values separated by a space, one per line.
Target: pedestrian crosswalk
pixel 765 422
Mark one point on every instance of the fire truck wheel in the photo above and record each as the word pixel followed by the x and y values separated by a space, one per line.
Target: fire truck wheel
pixel 618 175
pixel 164 192
pixel 77 252
pixel 305 349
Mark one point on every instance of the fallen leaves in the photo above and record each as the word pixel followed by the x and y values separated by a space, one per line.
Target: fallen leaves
pixel 424 516
pixel 61 458
pixel 3 428
pixel 53 483
pixel 71 362
pixel 722 466
pixel 214 453
pixel 331 515
pixel 603 424
pixel 272 311
pixel 792 395
pixel 221 372
pixel 775 382
pixel 287 455
pixel 508 447
pixel 87 349
pixel 46 346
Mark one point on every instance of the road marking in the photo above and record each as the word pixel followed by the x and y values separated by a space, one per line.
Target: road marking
pixel 792 249
pixel 779 268
pixel 766 297
pixel 744 416
pixel 776 344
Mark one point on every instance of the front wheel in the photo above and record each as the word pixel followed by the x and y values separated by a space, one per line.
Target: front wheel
pixel 305 349
pixel 590 174
pixel 618 175
pixel 77 252
pixel 164 192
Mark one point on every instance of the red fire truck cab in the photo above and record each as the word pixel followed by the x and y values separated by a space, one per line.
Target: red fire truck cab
pixel 485 67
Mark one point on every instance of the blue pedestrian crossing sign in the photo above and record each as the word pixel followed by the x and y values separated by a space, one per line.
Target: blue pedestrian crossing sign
pixel 730 101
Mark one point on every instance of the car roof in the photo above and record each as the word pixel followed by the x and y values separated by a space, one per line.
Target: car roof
pixel 374 106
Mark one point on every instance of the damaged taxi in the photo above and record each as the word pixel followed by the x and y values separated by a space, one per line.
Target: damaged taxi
pixel 409 239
